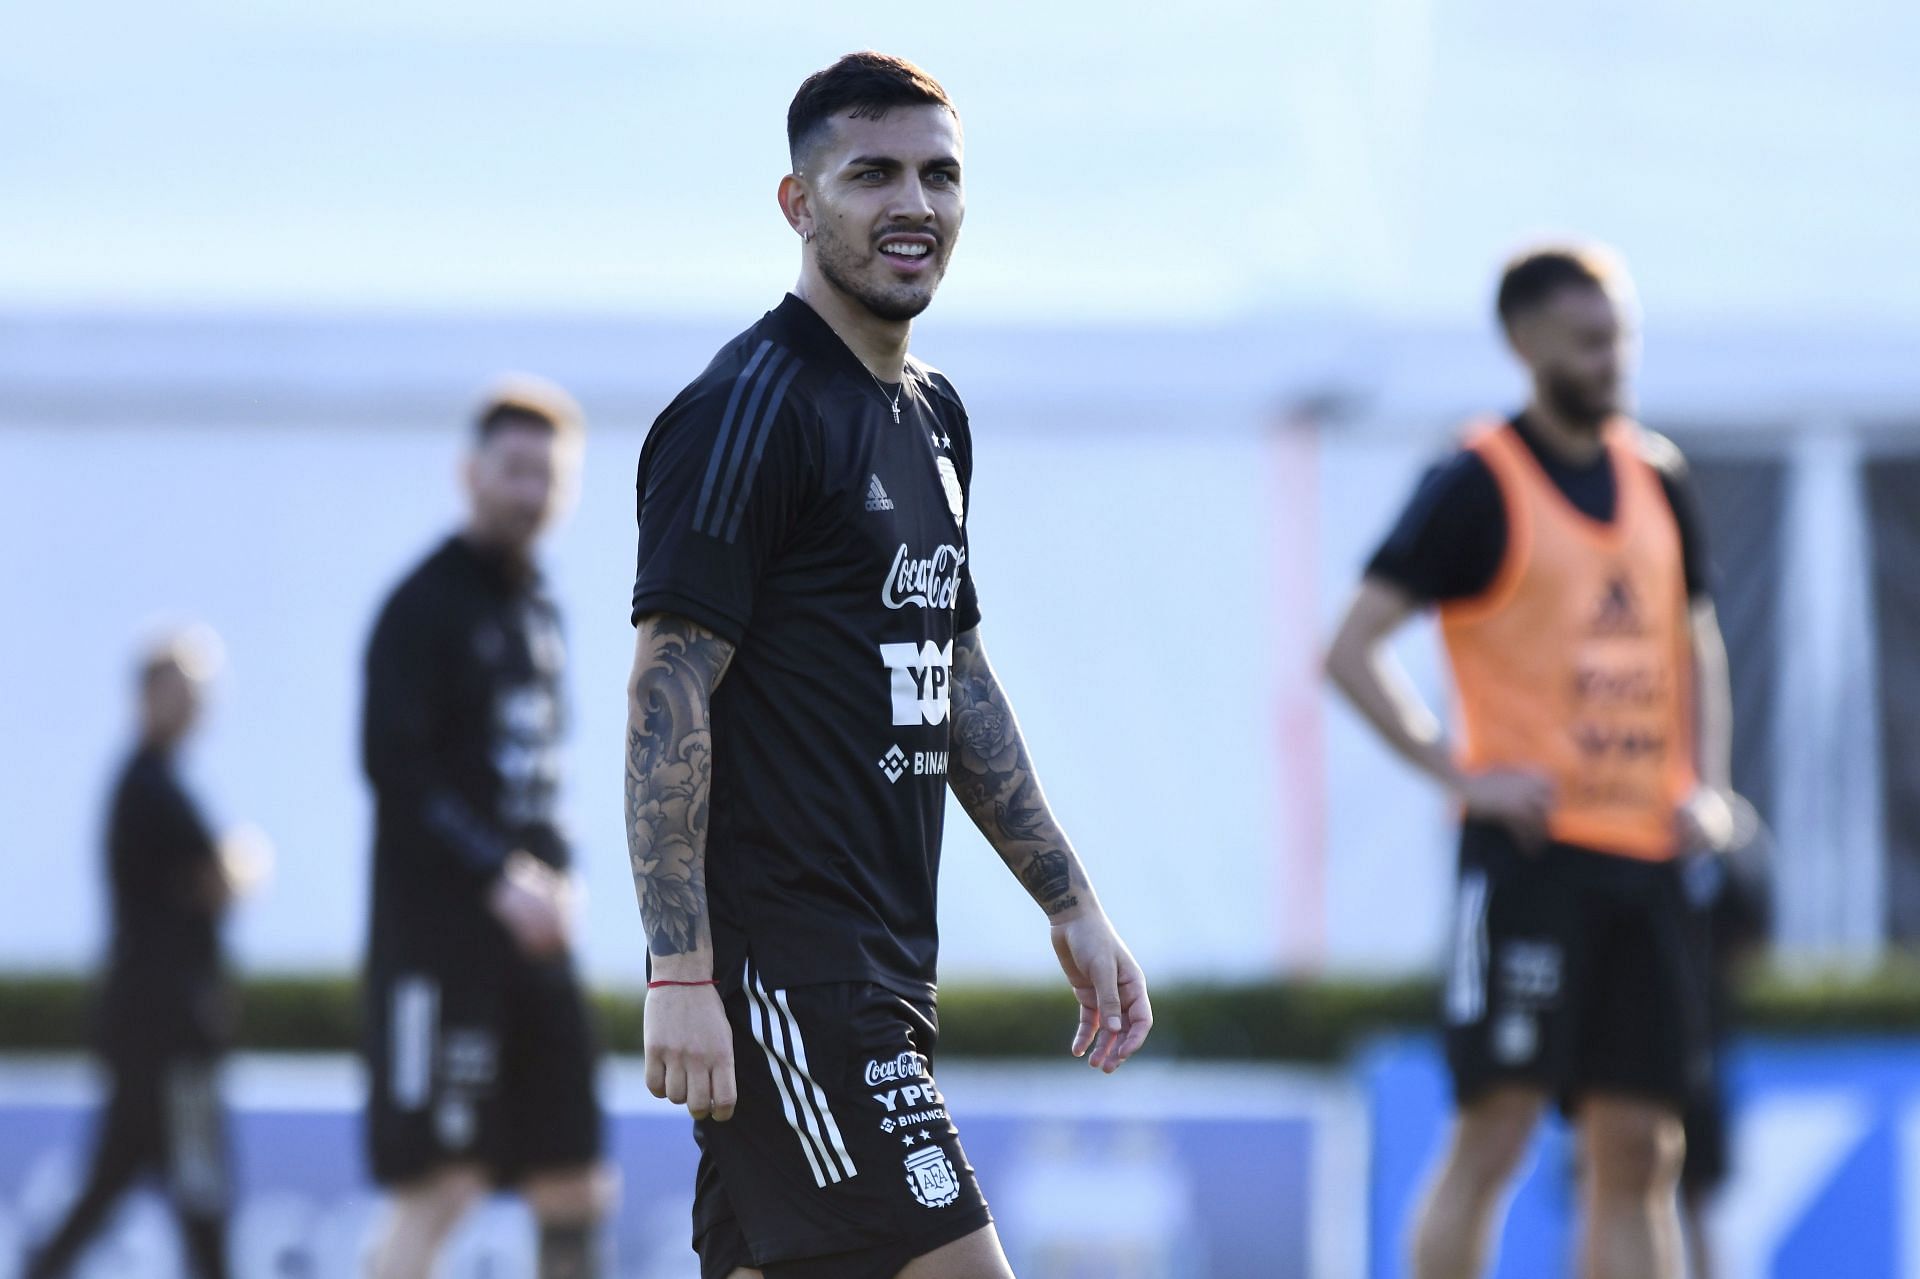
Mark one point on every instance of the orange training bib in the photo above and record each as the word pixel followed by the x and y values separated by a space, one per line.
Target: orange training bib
pixel 1578 661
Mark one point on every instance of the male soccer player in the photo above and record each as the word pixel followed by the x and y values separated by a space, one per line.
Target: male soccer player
pixel 1563 554
pixel 166 1010
pixel 808 679
pixel 479 1045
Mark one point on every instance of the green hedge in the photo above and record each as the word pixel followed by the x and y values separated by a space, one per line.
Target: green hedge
pixel 1303 1020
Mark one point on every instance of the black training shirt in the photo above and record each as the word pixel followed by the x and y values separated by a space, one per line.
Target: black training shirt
pixel 1449 542
pixel 461 736
pixel 782 507
pixel 164 972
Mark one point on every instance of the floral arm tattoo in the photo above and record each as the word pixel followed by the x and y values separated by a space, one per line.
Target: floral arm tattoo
pixel 677 664
pixel 992 776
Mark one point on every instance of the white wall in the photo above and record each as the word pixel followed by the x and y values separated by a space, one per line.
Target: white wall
pixel 1123 581
pixel 1159 563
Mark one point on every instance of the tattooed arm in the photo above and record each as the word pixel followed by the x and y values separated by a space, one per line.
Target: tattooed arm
pixel 993 777
pixel 677 664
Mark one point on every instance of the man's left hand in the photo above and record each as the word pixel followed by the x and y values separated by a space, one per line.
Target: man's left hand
pixel 1115 1013
pixel 1704 822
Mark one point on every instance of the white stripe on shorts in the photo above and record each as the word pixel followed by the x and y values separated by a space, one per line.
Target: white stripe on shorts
pixel 414 1012
pixel 1467 980
pixel 757 1018
pixel 819 1094
pixel 805 1102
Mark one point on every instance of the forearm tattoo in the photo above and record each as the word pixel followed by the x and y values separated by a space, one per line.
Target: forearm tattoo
pixel 993 778
pixel 669 776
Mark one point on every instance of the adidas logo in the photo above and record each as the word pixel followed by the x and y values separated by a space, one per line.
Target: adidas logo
pixel 1619 611
pixel 877 499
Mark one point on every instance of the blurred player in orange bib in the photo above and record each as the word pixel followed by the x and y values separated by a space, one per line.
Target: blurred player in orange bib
pixel 1589 750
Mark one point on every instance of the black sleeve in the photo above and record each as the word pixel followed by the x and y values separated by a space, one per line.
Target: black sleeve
pixel 166 846
pixel 1449 541
pixel 408 679
pixel 715 499
pixel 1693 542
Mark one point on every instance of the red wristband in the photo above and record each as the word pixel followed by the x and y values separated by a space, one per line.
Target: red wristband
pixel 655 985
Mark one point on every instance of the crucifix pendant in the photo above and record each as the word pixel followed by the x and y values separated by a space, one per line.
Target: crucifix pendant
pixel 895 406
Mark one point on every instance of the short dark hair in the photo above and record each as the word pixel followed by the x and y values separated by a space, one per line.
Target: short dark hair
pixel 522 400
pixel 1532 278
pixel 870 83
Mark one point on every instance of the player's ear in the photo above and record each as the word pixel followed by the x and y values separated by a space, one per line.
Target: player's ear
pixel 796 202
pixel 1518 335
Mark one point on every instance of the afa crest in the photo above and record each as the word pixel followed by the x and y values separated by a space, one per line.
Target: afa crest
pixel 950 481
pixel 931 1177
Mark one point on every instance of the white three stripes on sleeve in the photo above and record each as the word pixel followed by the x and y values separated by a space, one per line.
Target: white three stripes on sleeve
pixel 801 1097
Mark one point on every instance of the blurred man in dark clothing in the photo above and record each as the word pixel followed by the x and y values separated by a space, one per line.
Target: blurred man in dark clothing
pixel 479 1043
pixel 166 1008
pixel 1732 903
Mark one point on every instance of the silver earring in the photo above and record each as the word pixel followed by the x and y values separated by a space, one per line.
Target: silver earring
pixel 806 237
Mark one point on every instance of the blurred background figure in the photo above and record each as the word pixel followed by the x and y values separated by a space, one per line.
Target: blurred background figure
pixel 1591 749
pixel 167 1009
pixel 479 1042
pixel 1732 903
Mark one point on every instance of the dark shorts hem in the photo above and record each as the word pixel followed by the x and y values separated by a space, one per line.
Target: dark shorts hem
pixel 388 1171
pixel 883 1260
pixel 1471 1086
pixel 842 1256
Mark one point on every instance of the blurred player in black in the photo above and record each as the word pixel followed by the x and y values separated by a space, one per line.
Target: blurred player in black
pixel 478 1039
pixel 1734 909
pixel 166 1010
pixel 809 672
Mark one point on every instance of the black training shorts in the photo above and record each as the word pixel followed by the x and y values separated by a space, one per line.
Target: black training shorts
pixel 1575 972
pixel 840 1161
pixel 485 1057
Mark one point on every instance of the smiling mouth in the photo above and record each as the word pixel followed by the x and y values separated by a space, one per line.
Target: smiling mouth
pixel 908 252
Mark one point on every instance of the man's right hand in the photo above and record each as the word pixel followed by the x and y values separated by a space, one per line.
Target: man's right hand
pixel 689 1046
pixel 529 900
pixel 1520 801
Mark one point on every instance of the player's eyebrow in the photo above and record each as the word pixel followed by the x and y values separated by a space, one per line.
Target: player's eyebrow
pixel 891 164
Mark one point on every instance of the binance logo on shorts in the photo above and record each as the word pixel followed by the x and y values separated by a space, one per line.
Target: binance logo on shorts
pixel 931 1177
pixel 894 763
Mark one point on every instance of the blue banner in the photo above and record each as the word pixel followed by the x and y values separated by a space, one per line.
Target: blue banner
pixel 1825 1148
pixel 1156 1173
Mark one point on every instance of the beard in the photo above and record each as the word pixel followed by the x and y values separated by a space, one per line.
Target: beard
pixel 898 303
pixel 1578 404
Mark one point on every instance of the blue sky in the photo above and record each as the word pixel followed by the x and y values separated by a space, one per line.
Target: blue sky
pixel 1370 156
